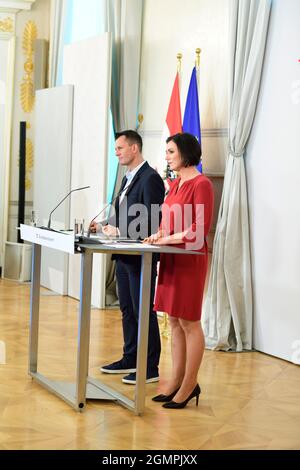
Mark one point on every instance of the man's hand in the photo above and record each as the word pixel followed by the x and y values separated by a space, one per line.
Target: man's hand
pixel 94 227
pixel 110 231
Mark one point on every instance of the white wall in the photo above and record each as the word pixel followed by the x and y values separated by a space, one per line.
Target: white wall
pixel 273 172
pixel 172 26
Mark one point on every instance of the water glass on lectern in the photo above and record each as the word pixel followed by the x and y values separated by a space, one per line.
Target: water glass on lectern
pixel 79 227
pixel 34 216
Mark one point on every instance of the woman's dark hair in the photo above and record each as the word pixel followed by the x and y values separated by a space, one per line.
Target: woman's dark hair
pixel 188 146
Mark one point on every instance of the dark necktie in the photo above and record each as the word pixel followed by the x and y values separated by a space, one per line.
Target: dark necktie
pixel 123 184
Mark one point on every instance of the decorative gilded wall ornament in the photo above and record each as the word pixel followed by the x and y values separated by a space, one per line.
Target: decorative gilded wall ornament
pixel 29 163
pixel 6 25
pixel 27 89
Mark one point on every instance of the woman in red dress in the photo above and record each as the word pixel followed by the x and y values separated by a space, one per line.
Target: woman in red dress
pixel 186 220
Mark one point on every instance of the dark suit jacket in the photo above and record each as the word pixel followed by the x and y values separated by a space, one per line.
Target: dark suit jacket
pixel 146 188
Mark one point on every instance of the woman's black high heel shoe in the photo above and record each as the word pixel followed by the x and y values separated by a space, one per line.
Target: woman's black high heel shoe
pixel 195 393
pixel 165 398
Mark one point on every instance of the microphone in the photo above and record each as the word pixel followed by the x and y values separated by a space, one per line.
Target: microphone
pixel 107 205
pixel 72 191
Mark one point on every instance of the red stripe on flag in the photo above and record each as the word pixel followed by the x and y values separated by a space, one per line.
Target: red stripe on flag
pixel 173 119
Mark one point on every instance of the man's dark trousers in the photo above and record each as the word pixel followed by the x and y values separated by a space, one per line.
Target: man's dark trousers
pixel 128 281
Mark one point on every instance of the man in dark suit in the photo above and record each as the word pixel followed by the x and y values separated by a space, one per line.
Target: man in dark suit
pixel 141 188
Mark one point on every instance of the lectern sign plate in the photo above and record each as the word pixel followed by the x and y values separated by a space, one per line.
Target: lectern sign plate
pixel 58 241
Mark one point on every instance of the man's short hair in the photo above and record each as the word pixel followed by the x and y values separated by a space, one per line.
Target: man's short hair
pixel 133 137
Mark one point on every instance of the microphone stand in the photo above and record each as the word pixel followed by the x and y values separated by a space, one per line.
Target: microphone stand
pixel 102 210
pixel 72 191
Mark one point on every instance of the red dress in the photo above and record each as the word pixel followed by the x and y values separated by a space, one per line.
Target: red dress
pixel 181 278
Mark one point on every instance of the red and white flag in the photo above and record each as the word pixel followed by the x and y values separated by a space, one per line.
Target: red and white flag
pixel 173 125
pixel 173 119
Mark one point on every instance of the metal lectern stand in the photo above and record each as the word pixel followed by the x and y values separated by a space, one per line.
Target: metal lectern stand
pixel 86 387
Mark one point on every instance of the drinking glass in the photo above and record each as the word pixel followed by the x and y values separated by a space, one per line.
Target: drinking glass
pixel 79 226
pixel 34 217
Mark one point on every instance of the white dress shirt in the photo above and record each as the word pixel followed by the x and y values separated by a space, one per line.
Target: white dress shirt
pixel 130 175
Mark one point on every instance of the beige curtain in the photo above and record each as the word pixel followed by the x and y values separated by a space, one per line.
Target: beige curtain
pixel 124 21
pixel 227 313
pixel 57 12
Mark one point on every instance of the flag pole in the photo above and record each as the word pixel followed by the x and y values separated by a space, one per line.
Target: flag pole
pixel 197 61
pixel 165 330
pixel 168 172
pixel 179 58
pixel 197 65
pixel 165 324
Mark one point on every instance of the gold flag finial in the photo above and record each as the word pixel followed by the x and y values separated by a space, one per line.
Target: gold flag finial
pixel 179 57
pixel 140 120
pixel 197 61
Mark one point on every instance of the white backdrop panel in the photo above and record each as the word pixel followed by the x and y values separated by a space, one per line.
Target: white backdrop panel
pixel 273 172
pixel 87 65
pixel 52 168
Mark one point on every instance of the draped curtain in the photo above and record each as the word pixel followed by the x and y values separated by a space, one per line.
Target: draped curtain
pixel 227 312
pixel 124 21
pixel 57 14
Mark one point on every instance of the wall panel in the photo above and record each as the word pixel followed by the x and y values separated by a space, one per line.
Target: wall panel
pixel 52 175
pixel 87 66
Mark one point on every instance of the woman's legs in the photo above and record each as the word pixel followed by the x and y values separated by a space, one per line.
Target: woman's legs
pixel 194 341
pixel 178 357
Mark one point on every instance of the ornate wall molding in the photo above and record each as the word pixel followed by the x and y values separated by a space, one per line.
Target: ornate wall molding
pixel 15 5
pixel 7 24
pixel 27 95
pixel 213 132
pixel 29 163
pixel 13 218
pixel 13 204
pixel 27 88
